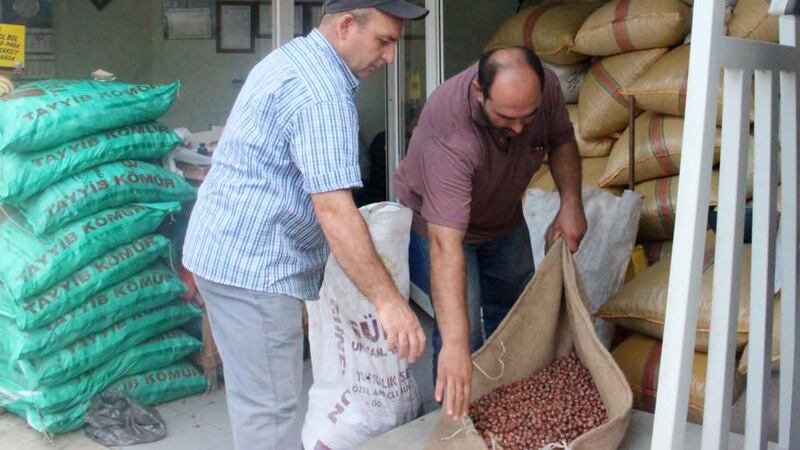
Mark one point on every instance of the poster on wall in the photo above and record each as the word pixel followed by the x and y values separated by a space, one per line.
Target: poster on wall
pixel 31 13
pixel 12 46
pixel 188 23
pixel 235 27
pixel 188 19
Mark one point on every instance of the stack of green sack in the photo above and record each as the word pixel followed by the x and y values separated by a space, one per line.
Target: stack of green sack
pixel 88 299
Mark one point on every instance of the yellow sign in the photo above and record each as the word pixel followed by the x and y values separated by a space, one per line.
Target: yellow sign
pixel 12 46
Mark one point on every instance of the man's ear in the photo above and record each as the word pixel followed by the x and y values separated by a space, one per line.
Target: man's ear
pixel 476 89
pixel 343 26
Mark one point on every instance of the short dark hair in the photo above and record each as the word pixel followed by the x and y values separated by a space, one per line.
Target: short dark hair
pixel 488 67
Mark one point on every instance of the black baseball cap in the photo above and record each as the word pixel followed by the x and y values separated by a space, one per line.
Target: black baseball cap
pixel 398 8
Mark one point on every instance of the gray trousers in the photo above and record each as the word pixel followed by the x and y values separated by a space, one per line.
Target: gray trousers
pixel 260 339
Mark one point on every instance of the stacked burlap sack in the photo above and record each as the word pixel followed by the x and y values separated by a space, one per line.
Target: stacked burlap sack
pixel 641 307
pixel 635 49
pixel 87 295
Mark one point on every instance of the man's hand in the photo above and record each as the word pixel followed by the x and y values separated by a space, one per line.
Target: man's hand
pixel 403 331
pixel 570 223
pixel 454 379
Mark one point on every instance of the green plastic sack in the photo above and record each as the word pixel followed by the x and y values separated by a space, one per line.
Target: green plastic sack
pixel 93 350
pixel 150 388
pixel 102 187
pixel 146 290
pixel 67 294
pixel 43 114
pixel 154 353
pixel 32 264
pixel 164 385
pixel 25 174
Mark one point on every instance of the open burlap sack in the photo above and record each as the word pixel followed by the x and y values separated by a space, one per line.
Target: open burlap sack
pixel 642 303
pixel 639 357
pixel 602 107
pixel 657 151
pixel 591 170
pixel 589 148
pixel 750 20
pixel 628 25
pixel 662 88
pixel 548 29
pixel 657 221
pixel 548 321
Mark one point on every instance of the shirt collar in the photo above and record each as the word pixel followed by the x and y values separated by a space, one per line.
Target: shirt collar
pixel 320 41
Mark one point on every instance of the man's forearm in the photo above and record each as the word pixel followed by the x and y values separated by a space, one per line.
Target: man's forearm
pixel 448 289
pixel 351 245
pixel 565 166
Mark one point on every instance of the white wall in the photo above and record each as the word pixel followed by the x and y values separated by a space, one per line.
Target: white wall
pixel 208 90
pixel 116 39
pixel 126 38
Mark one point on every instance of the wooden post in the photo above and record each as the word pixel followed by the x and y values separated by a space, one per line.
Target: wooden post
pixel 632 144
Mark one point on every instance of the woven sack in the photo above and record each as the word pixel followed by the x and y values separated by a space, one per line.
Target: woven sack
pixel 602 107
pixel 547 322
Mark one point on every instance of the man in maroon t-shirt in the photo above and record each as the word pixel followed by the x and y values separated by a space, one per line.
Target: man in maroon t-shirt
pixel 481 137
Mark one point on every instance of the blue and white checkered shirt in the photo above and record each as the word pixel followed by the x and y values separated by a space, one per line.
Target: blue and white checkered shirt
pixel 293 131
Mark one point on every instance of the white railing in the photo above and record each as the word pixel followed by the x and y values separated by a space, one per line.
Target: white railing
pixel 774 69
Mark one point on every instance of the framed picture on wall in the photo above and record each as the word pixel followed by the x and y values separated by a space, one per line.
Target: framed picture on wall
pixel 188 23
pixel 264 20
pixel 188 19
pixel 236 31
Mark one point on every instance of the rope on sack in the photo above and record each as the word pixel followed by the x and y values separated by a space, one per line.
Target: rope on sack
pixel 466 425
pixel 502 365
pixel 556 445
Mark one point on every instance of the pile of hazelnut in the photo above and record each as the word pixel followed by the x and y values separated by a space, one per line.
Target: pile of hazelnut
pixel 554 405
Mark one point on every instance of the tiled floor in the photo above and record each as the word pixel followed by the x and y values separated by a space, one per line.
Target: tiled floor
pixel 201 422
pixel 197 423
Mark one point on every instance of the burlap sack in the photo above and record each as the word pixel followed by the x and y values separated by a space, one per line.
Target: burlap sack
pixel 662 88
pixel 639 357
pixel 570 78
pixel 602 108
pixel 547 322
pixel 641 304
pixel 660 201
pixel 589 148
pixel 750 20
pixel 655 251
pixel 548 29
pixel 657 151
pixel 775 359
pixel 591 169
pixel 629 25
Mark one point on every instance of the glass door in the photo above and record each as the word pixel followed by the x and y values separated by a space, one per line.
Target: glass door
pixel 414 75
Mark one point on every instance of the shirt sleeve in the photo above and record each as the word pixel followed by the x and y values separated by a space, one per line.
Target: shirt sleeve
pixel 324 146
pixel 559 126
pixel 447 185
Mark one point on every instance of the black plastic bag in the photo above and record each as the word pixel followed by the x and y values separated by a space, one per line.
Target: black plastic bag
pixel 115 419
